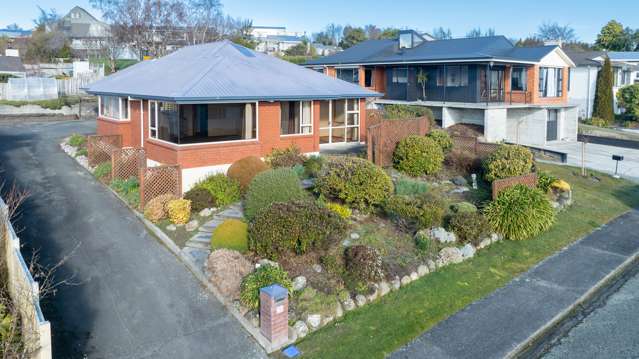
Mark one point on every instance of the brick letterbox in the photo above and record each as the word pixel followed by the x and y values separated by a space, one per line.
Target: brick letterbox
pixel 274 314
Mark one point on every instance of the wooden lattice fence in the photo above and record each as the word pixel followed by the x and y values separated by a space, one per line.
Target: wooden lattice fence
pixel 127 162
pixel 155 181
pixel 383 136
pixel 101 147
pixel 529 180
pixel 472 145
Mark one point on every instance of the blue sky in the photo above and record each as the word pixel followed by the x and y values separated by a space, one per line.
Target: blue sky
pixel 511 18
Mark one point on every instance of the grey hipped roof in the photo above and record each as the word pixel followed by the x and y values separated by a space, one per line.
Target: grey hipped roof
pixel 584 58
pixel 480 48
pixel 223 71
pixel 11 64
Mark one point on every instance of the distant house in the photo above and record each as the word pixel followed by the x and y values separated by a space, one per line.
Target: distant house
pixel 516 94
pixel 12 66
pixel 275 40
pixel 326 50
pixel 15 33
pixel 205 106
pixel 85 32
pixel 583 79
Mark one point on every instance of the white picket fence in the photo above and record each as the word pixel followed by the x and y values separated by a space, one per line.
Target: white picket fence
pixel 41 88
pixel 24 292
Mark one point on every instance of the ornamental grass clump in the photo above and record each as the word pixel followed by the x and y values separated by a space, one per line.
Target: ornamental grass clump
pixel 508 161
pixel 355 181
pixel 277 185
pixel 520 212
pixel 264 276
pixel 245 169
pixel 179 211
pixel 231 234
pixel 418 155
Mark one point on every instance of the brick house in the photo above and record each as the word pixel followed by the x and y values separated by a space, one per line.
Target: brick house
pixel 516 94
pixel 205 106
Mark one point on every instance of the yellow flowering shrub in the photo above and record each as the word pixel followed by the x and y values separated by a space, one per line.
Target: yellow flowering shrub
pixel 339 209
pixel 561 185
pixel 179 211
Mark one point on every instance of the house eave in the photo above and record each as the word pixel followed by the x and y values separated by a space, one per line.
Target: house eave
pixel 438 61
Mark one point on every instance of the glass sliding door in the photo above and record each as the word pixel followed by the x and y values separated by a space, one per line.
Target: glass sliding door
pixel 339 121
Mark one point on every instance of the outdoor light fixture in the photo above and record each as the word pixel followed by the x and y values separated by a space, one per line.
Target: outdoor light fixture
pixel 617 158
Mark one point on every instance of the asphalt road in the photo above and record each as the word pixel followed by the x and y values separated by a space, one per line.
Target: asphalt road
pixel 129 297
pixel 610 331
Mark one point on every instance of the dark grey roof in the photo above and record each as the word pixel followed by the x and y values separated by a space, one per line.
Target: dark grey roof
pixel 11 64
pixel 224 71
pixel 584 58
pixel 479 48
pixel 624 55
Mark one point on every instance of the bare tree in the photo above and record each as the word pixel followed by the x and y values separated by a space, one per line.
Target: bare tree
pixel 202 19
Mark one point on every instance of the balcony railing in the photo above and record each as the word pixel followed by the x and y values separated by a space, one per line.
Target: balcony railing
pixel 510 97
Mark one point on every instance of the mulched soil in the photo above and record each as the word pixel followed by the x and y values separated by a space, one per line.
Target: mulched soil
pixel 467 130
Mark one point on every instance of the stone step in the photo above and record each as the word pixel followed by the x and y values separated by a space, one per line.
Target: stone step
pixel 231 213
pixel 210 226
pixel 201 237
pixel 198 256
pixel 197 245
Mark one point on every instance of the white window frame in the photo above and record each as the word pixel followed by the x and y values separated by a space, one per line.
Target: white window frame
pixel 257 127
pixel 302 133
pixel 330 128
pixel 100 114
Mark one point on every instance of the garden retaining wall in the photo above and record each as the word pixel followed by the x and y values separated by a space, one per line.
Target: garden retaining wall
pixel 529 180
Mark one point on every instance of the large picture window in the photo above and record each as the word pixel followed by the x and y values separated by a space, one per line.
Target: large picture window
pixel 550 82
pixel 518 79
pixel 339 121
pixel 202 123
pixel 349 75
pixel 114 107
pixel 296 117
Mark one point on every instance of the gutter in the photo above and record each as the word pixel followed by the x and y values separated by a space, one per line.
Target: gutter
pixel 237 99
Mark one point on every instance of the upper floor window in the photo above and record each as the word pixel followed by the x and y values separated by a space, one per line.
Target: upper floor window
pixel 368 78
pixel 551 82
pixel 296 117
pixel 114 107
pixel 349 75
pixel 405 40
pixel 399 76
pixel 518 79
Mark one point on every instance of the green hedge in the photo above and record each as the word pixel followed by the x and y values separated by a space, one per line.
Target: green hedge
pixel 418 155
pixel 508 161
pixel 277 185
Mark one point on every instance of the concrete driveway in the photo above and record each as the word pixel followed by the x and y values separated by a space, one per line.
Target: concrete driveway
pixel 132 297
pixel 599 157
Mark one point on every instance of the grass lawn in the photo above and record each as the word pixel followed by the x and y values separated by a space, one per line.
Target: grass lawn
pixel 378 329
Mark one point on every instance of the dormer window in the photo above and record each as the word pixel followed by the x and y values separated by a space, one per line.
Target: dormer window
pixel 409 39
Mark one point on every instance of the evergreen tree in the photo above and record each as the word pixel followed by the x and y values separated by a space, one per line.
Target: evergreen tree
pixel 603 107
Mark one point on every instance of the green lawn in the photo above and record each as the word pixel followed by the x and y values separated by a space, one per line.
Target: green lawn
pixel 378 329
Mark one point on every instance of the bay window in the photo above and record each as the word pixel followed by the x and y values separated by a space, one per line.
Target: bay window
pixel 296 117
pixel 518 79
pixel 114 107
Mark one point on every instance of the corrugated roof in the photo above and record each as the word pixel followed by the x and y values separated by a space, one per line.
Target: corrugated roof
pixel 11 64
pixel 223 71
pixel 478 48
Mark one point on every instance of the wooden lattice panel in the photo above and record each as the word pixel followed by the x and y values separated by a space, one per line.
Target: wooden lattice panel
pixel 384 135
pixel 127 162
pixel 529 180
pixel 155 181
pixel 100 147
pixel 472 145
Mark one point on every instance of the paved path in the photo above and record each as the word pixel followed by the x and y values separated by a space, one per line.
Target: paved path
pixel 134 298
pixel 496 325
pixel 609 332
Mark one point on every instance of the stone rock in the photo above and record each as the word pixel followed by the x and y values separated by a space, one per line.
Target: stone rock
pixel 206 212
pixel 414 276
pixel 396 283
pixel 360 300
pixel 354 236
pixel 171 227
pixel 441 235
pixel 339 312
pixel 484 243
pixel 431 265
pixel 459 181
pixel 449 255
pixel 265 261
pixel 292 334
pixel 327 319
pixel 301 328
pixel 405 280
pixel 384 288
pixel 468 251
pixel 253 317
pixel 299 283
pixel 192 225
pixel 348 304
pixel 346 243
pixel 314 320
pixel 460 189
pixel 371 297
pixel 555 205
pixel 317 268
pixel 495 237
pixel 422 270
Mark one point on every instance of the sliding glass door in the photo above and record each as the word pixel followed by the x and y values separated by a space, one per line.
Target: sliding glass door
pixel 339 121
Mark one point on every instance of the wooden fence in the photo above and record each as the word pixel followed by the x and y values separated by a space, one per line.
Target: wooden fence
pixel 127 162
pixel 383 135
pixel 24 292
pixel 472 145
pixel 529 180
pixel 101 147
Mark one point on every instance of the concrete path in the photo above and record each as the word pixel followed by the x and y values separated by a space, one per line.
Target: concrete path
pixel 495 326
pixel 599 157
pixel 133 298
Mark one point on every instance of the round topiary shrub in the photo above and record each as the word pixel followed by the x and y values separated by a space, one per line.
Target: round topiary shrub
pixel 231 234
pixel 469 227
pixel 355 181
pixel 179 211
pixel 155 210
pixel 418 155
pixel 293 227
pixel 286 157
pixel 278 185
pixel 223 189
pixel 424 211
pixel 264 276
pixel 442 138
pixel 200 198
pixel 364 263
pixel 508 161
pixel 245 169
pixel 520 212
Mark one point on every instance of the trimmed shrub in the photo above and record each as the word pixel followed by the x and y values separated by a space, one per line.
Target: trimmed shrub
pixel 560 185
pixel 463 207
pixel 339 209
pixel 278 185
pixel 442 138
pixel 508 161
pixel 628 98
pixel 423 211
pixel 418 155
pixel 364 263
pixel 355 181
pixel 155 210
pixel 231 234
pixel 262 277
pixel 200 198
pixel 603 105
pixel 179 211
pixel 520 212
pixel 293 227
pixel 544 181
pixel 227 268
pixel 313 165
pixel 596 121
pixel 469 227
pixel 102 170
pixel 287 157
pixel 77 140
pixel 463 161
pixel 399 112
pixel 245 169
pixel 223 189
pixel 406 186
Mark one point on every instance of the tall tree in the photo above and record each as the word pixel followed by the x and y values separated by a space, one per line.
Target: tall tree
pixel 46 19
pixel 335 31
pixel 389 33
pixel 202 18
pixel 477 32
pixel 440 33
pixel 529 42
pixel 613 37
pixel 372 32
pixel 554 31
pixel 352 36
pixel 603 106
pixel 324 38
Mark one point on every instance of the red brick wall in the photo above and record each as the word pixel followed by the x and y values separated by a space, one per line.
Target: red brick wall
pixel 111 127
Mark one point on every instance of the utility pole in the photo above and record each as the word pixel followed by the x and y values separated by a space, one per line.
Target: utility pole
pixel 583 158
